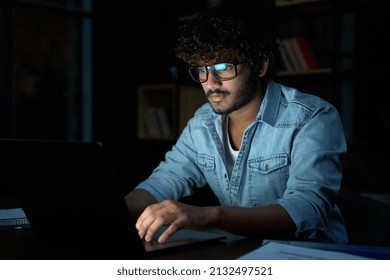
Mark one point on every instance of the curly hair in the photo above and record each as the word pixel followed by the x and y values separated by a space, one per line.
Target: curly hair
pixel 223 35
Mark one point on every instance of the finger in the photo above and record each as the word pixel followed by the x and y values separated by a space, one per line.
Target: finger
pixel 146 219
pixel 153 228
pixel 144 216
pixel 168 233
pixel 151 221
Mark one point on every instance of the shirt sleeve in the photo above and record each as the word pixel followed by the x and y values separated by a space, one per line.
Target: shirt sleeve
pixel 177 175
pixel 315 173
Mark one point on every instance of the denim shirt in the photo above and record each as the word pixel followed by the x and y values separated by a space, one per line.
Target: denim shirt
pixel 290 155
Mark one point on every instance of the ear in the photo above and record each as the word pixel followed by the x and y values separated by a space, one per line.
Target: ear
pixel 264 67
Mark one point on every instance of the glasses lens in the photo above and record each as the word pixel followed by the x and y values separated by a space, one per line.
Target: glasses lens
pixel 223 71
pixel 220 71
pixel 198 74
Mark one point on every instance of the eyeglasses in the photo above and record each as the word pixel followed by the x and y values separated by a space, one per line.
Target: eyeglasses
pixel 221 71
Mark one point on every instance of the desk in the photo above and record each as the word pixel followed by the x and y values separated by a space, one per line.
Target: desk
pixel 23 244
pixel 372 252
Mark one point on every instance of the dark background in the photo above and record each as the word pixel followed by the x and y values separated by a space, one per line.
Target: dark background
pixel 133 45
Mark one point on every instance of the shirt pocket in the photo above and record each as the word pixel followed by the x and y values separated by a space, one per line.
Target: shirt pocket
pixel 207 165
pixel 267 178
pixel 205 162
pixel 268 164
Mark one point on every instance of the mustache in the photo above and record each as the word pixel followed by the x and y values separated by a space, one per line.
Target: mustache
pixel 216 91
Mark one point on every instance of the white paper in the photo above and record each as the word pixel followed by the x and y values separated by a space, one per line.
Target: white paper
pixel 280 251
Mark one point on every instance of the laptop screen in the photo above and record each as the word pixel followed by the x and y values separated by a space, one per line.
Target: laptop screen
pixel 71 197
pixel 74 201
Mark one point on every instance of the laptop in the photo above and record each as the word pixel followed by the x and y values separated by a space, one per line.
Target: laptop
pixel 75 204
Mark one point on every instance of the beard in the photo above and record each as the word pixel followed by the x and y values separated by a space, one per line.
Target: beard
pixel 243 96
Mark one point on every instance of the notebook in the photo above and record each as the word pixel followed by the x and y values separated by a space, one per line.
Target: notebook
pixel 13 217
pixel 74 201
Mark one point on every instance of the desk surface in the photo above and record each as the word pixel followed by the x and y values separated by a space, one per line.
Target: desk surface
pixel 23 244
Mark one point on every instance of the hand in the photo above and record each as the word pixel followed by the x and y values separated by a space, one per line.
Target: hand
pixel 175 214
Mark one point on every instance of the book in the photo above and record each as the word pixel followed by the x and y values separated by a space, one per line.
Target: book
pixel 287 47
pixel 287 63
pixel 163 122
pixel 152 123
pixel 298 53
pixel 13 217
pixel 307 52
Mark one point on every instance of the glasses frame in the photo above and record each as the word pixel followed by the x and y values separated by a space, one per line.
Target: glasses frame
pixel 211 68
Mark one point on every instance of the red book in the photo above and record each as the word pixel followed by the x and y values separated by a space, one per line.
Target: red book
pixel 307 52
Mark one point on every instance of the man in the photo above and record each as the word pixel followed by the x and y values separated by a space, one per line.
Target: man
pixel 270 153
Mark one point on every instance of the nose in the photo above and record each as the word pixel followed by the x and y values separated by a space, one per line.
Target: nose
pixel 212 82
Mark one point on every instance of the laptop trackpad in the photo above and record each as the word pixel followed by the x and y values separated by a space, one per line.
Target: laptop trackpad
pixel 182 237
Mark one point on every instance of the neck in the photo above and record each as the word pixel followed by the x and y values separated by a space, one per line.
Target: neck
pixel 239 121
pixel 247 114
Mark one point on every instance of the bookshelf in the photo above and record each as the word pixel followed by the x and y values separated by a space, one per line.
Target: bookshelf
pixel 315 24
pixel 297 54
pixel 166 105
pixel 190 99
pixel 351 66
